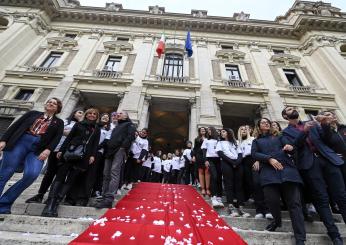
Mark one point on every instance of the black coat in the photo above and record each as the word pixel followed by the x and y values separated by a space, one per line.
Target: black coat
pixel 122 136
pixel 79 135
pixel 336 140
pixel 269 146
pixel 48 140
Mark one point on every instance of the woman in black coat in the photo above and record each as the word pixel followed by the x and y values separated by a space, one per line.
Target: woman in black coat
pixel 28 141
pixel 87 134
pixel 199 161
pixel 278 174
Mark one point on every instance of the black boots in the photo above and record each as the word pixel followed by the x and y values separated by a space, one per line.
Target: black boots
pixel 272 226
pixel 35 199
pixel 51 208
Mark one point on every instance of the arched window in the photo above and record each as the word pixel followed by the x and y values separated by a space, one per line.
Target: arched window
pixel 173 65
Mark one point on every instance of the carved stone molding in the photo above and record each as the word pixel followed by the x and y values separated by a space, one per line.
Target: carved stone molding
pixel 114 7
pixel 230 55
pixel 199 13
pixel 117 47
pixel 175 48
pixel 96 33
pixel 241 16
pixel 61 43
pixel 286 59
pixel 156 9
pixel 316 41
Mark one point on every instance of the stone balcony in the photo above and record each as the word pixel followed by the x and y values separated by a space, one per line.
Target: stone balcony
pixel 107 74
pixel 173 79
pixel 301 89
pixel 12 107
pixel 39 69
pixel 236 84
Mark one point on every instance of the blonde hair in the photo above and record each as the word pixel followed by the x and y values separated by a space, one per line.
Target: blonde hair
pixel 240 137
pixel 90 110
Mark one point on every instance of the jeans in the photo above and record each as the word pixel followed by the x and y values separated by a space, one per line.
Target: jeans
pixel 111 175
pixel 320 178
pixel 233 182
pixel 215 176
pixel 22 153
pixel 291 194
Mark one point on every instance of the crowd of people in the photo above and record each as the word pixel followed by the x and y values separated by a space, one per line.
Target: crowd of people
pixel 300 168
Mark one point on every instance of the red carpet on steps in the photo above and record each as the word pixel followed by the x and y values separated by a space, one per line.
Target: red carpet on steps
pixel 160 214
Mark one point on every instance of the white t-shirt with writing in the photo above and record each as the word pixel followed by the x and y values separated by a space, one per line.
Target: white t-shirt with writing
pixel 210 145
pixel 245 146
pixel 167 165
pixel 157 165
pixel 138 145
pixel 228 148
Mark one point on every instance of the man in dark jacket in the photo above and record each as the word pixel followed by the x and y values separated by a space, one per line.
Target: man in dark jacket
pixel 320 168
pixel 117 147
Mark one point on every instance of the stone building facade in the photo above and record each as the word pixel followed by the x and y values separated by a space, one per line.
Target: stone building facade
pixel 241 68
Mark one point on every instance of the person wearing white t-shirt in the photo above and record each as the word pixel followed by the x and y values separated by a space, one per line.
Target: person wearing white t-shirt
pixel 139 150
pixel 188 170
pixel 167 167
pixel 176 164
pixel 214 165
pixel 232 172
pixel 146 167
pixel 156 170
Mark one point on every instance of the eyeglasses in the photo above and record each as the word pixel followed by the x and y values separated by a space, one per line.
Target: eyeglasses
pixel 265 122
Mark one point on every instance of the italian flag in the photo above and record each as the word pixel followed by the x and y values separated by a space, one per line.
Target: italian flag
pixel 161 46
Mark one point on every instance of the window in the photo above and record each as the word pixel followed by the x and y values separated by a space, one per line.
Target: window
pixel 278 51
pixel 232 73
pixel 51 60
pixel 112 64
pixel 123 39
pixel 229 47
pixel 4 124
pixel 311 114
pixel 173 65
pixel 24 94
pixel 70 35
pixel 292 77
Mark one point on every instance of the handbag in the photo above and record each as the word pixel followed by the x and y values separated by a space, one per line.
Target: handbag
pixel 76 152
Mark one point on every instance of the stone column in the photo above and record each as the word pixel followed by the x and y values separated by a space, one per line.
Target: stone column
pixel 263 109
pixel 144 116
pixel 193 119
pixel 219 104
pixel 70 105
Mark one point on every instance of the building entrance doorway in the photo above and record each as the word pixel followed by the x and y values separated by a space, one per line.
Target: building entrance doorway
pixel 168 124
pixel 234 115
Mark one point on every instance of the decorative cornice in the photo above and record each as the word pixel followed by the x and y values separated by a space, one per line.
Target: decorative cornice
pixel 118 47
pixel 302 23
pixel 313 95
pixel 316 41
pixel 286 59
pixel 230 55
pixel 249 91
pixel 61 43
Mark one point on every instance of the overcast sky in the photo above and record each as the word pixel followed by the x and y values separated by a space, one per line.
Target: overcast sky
pixel 258 9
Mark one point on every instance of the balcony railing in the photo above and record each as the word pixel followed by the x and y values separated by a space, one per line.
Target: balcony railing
pixel 107 74
pixel 173 79
pixel 42 69
pixel 237 84
pixel 301 89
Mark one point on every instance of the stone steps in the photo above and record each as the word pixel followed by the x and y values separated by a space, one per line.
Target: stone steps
pixel 26 226
pixel 25 238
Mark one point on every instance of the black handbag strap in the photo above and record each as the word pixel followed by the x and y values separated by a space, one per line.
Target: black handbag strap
pixel 85 144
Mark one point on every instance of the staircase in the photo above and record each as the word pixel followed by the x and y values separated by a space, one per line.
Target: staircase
pixel 26 226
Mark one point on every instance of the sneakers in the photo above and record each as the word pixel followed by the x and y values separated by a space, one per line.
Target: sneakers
pixel 233 212
pixel 259 216
pixel 269 216
pixel 98 195
pixel 128 187
pixel 219 199
pixel 215 202
pixel 311 208
pixel 119 192
pixel 242 212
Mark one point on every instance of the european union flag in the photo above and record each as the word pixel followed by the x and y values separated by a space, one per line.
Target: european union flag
pixel 188 45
